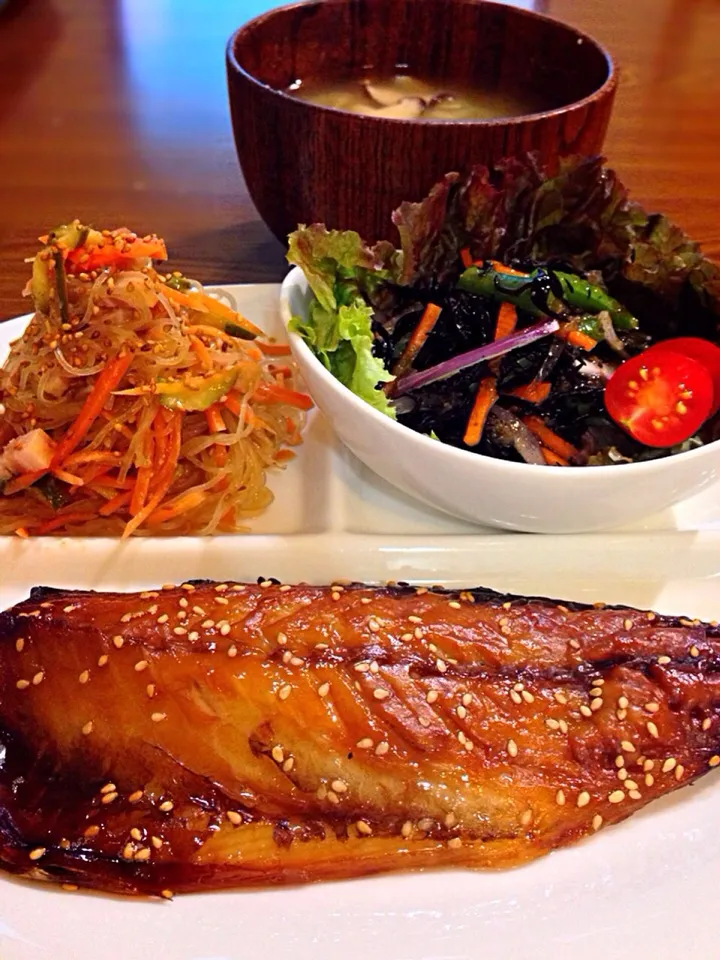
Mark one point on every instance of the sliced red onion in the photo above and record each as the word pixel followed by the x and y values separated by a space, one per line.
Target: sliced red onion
pixel 498 348
pixel 523 439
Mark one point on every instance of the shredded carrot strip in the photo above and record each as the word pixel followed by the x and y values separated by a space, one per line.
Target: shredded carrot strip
pixel 107 254
pixel 506 320
pixel 107 480
pixel 503 268
pixel 112 506
pixel 578 339
pixel 234 403
pixel 60 521
pixel 106 382
pixel 214 418
pixel 183 504
pixel 178 296
pixel 170 460
pixel 170 449
pixel 549 438
pixel 22 481
pixel 156 450
pixel 201 352
pixel 535 392
pixel 168 440
pixel 204 303
pixel 274 349
pixel 166 476
pixel 294 438
pixel 466 257
pixel 89 456
pixel 161 426
pixel 21 532
pixel 220 454
pixel 167 417
pixel 137 521
pixel 93 471
pixel 273 393
pixel 484 399
pixel 141 489
pixel 282 456
pixel 107 493
pixel 223 310
pixel 553 459
pixel 417 338
pixel 227 515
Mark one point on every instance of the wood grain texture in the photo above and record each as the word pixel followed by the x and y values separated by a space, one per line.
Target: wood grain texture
pixel 113 118
pixel 349 171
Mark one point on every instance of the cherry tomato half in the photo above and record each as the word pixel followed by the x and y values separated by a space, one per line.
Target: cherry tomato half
pixel 660 398
pixel 705 352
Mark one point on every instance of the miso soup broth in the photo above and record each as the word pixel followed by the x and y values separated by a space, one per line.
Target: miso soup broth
pixel 403 96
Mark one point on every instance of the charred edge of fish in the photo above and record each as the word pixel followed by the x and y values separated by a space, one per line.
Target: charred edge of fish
pixel 480 595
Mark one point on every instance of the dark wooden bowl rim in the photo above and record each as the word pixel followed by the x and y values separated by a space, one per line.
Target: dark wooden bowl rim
pixel 606 87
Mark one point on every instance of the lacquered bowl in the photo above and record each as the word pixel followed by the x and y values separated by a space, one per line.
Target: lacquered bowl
pixel 307 163
pixel 479 489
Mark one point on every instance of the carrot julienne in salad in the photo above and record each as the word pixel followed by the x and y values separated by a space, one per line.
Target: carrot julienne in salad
pixel 529 312
pixel 135 402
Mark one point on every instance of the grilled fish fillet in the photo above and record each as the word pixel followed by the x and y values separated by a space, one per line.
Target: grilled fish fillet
pixel 230 735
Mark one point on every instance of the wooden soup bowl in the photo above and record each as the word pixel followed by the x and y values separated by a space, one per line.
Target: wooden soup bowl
pixel 306 163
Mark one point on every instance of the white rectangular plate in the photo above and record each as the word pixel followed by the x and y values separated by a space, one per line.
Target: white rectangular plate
pixel 329 490
pixel 644 888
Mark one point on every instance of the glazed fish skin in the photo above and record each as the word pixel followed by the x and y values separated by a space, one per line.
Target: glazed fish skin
pixel 220 735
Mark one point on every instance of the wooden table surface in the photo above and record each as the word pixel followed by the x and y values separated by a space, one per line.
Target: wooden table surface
pixel 115 111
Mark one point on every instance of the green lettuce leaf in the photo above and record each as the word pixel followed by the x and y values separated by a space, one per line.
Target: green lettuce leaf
pixel 343 274
pixel 364 372
pixel 342 340
pixel 333 259
pixel 577 211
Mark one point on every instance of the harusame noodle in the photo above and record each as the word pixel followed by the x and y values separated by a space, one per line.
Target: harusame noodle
pixel 136 403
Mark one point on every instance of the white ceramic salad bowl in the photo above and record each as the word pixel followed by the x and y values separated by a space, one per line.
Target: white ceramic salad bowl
pixel 480 489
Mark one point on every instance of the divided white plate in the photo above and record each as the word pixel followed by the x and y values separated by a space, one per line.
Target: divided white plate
pixel 643 888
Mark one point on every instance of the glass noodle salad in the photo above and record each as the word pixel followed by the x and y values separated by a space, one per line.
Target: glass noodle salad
pixel 528 315
pixel 135 402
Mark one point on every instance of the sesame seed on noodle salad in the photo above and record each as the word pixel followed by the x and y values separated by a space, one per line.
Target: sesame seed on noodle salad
pixel 135 402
